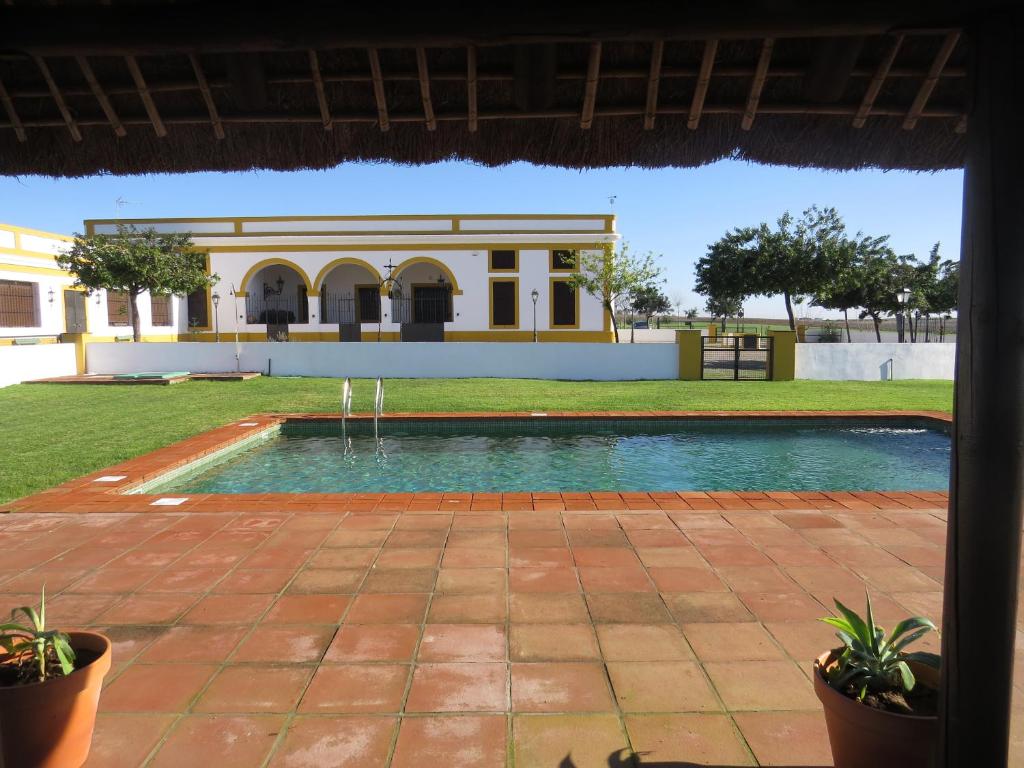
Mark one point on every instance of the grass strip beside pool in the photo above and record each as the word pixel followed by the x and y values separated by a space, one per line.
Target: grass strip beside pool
pixel 55 432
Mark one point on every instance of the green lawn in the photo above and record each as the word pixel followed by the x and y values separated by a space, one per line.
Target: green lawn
pixel 53 432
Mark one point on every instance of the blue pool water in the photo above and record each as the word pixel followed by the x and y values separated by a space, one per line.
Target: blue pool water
pixel 582 455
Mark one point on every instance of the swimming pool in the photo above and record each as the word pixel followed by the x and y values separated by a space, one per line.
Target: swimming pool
pixel 488 455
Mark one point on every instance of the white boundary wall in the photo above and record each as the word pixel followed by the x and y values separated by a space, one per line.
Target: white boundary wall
pixel 549 360
pixel 874 362
pixel 36 361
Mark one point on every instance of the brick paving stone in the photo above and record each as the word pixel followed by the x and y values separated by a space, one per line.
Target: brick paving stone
pixel 340 742
pixel 686 739
pixel 542 741
pixel 221 740
pixel 466 741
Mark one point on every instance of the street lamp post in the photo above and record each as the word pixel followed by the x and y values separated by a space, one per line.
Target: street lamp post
pixel 216 319
pixel 534 295
pixel 902 297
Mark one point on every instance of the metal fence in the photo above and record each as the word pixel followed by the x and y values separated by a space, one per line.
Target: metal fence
pixel 736 358
pixel 422 309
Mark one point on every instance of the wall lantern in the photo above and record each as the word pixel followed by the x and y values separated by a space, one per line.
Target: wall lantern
pixel 49 295
pixel 534 294
pixel 268 291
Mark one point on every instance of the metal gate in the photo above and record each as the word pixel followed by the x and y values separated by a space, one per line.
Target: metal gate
pixel 341 310
pixel 422 317
pixel 736 358
pixel 74 312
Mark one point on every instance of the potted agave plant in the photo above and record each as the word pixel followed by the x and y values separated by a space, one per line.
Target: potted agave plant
pixel 880 701
pixel 49 689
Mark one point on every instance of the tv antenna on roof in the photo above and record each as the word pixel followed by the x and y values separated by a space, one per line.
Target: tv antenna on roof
pixel 120 203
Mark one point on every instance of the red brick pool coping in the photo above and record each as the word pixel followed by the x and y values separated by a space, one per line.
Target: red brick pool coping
pixel 91 494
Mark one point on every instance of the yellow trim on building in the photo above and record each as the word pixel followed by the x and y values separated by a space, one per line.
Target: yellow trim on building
pixel 551 304
pixel 331 266
pixel 563 270
pixel 276 263
pixel 52 271
pixel 490 262
pixel 456 291
pixel 490 301
pixel 420 246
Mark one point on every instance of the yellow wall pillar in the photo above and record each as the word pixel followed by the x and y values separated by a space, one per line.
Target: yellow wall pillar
pixel 801 333
pixel 713 330
pixel 78 339
pixel 783 355
pixel 688 342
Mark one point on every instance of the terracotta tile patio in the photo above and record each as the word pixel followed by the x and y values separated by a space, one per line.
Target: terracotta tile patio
pixel 511 638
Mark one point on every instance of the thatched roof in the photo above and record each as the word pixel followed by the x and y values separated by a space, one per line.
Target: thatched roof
pixel 159 86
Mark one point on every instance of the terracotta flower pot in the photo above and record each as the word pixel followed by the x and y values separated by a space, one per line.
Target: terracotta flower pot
pixel 864 737
pixel 49 725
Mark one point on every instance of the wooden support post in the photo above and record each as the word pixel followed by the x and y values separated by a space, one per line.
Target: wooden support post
pixel 321 93
pixel 62 106
pixel 934 73
pixel 700 90
pixel 760 75
pixel 378 89
pixel 147 99
pixel 204 89
pixel 875 86
pixel 424 73
pixel 12 114
pixel 590 86
pixel 101 96
pixel 986 508
pixel 471 102
pixel 653 80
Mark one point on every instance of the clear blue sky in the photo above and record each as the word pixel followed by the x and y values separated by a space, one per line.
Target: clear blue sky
pixel 673 212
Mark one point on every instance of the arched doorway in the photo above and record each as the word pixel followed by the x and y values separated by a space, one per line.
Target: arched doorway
pixel 277 296
pixel 349 296
pixel 421 299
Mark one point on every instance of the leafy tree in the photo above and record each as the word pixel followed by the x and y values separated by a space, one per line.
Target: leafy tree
pixel 881 275
pixel 792 259
pixel 840 289
pixel 648 300
pixel 723 307
pixel 612 276
pixel 135 261
pixel 691 315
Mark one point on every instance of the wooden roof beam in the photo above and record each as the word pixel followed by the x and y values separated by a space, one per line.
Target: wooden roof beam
pixel 321 93
pixel 207 94
pixel 424 73
pixel 62 106
pixel 12 113
pixel 875 86
pixel 653 81
pixel 760 75
pixel 590 86
pixel 378 89
pixel 471 95
pixel 700 90
pixel 924 93
pixel 101 96
pixel 147 99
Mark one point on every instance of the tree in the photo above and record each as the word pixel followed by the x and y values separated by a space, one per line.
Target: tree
pixel 611 275
pixel 691 315
pixel 841 289
pixel 880 276
pixel 648 300
pixel 135 261
pixel 723 307
pixel 791 260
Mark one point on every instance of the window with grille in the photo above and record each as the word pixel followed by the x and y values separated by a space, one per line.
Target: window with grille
pixel 160 309
pixel 119 311
pixel 18 308
pixel 369 303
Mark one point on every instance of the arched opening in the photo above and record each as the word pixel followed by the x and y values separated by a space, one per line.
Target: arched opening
pixel 421 300
pixel 277 296
pixel 349 296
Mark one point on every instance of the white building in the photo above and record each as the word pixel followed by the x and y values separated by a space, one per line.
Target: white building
pixel 39 305
pixel 417 278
